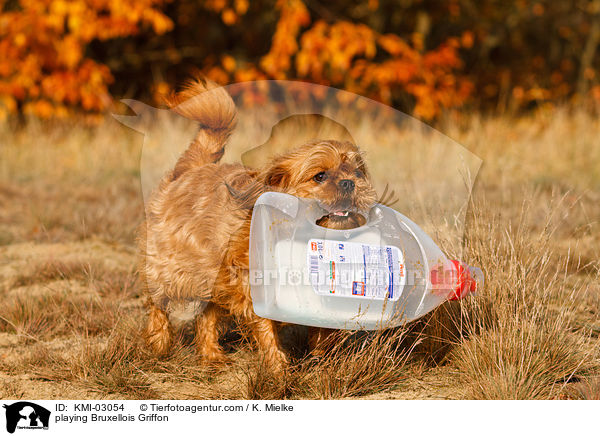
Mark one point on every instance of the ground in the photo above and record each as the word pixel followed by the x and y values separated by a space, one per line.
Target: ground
pixel 72 307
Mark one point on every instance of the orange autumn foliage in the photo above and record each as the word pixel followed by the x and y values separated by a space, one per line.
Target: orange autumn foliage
pixel 58 57
pixel 43 67
pixel 358 59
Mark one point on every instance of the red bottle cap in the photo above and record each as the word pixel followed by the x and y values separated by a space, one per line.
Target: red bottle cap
pixel 465 284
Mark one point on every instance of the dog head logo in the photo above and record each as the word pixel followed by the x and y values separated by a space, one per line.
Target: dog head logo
pixel 428 172
pixel 26 415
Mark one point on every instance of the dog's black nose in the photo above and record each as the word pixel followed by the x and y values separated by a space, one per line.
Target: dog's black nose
pixel 346 185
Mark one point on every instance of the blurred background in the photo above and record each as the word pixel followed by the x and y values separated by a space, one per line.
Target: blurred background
pixel 424 57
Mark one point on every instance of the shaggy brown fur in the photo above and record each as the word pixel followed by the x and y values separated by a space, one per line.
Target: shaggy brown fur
pixel 195 240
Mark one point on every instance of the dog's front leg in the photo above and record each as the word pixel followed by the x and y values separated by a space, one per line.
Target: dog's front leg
pixel 235 296
pixel 320 340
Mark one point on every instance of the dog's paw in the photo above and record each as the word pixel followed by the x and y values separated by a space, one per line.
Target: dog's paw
pixel 215 359
pixel 277 361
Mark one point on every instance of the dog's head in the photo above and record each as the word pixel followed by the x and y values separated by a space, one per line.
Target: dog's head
pixel 331 172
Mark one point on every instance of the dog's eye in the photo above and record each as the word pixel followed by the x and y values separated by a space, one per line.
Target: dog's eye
pixel 359 174
pixel 320 177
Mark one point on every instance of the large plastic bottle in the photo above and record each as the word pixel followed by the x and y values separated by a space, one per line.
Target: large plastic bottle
pixel 379 275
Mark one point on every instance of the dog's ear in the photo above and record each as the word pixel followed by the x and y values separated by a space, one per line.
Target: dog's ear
pixel 278 176
pixel 359 159
pixel 247 196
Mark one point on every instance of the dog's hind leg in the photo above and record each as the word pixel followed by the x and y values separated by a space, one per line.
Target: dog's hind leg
pixel 207 334
pixel 159 333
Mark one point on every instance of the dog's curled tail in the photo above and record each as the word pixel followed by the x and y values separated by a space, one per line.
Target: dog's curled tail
pixel 212 107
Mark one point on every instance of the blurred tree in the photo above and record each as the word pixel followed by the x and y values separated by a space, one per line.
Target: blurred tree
pixel 44 69
pixel 423 56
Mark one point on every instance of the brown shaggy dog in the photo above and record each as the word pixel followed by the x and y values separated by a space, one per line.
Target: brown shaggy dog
pixel 194 242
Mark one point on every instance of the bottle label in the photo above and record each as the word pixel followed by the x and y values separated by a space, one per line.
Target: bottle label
pixel 350 269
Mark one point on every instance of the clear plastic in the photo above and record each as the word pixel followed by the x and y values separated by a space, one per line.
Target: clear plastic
pixel 289 284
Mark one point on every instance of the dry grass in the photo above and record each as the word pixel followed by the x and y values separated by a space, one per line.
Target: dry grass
pixel 58 312
pixel 106 367
pixel 346 371
pixel 532 226
pixel 587 389
pixel 61 183
pixel 517 338
pixel 10 390
pixel 52 270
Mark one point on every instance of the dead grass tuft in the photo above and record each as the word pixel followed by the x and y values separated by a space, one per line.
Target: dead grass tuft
pixel 52 269
pixel 41 317
pixel 108 366
pixel 587 389
pixel 261 383
pixel 120 285
pixel 46 317
pixel 111 368
pixel 357 365
pixel 361 365
pixel 516 337
pixel 522 360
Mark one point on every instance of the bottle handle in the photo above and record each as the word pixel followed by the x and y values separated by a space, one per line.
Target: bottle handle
pixel 285 203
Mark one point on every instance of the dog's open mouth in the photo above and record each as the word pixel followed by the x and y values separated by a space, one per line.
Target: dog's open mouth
pixel 343 213
pixel 346 217
pixel 340 214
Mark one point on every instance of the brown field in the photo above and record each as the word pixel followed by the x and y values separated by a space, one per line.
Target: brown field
pixel 71 308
